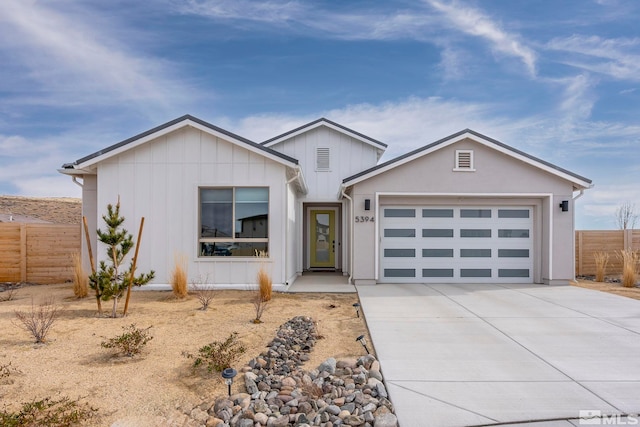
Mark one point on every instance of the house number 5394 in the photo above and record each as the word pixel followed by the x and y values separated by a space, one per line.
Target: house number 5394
pixel 364 219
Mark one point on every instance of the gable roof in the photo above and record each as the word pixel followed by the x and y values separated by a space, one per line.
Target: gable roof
pixel 579 182
pixel 332 125
pixel 180 122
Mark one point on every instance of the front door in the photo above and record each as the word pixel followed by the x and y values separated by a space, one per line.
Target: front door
pixel 322 236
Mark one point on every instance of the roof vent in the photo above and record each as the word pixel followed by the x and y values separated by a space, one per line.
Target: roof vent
pixel 322 159
pixel 464 160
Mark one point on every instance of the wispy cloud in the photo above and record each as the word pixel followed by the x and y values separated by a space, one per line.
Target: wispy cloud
pixel 74 60
pixel 308 19
pixel 618 58
pixel 474 22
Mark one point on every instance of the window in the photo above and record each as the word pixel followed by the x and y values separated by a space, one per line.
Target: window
pixel 400 213
pixel 399 232
pixel 323 162
pixel 475 213
pixel 234 221
pixel 464 160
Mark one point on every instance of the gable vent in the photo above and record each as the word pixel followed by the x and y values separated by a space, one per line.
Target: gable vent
pixel 464 160
pixel 322 159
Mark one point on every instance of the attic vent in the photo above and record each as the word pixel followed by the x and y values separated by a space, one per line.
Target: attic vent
pixel 322 159
pixel 464 160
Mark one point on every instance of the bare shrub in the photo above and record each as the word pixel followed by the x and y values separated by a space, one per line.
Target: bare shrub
pixel 218 355
pixel 259 304
pixel 80 277
pixel 49 412
pixel 39 320
pixel 204 293
pixel 9 292
pixel 131 342
pixel 179 276
pixel 601 259
pixel 629 267
pixel 7 370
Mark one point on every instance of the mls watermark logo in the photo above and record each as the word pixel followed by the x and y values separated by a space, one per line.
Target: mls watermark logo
pixel 591 417
pixel 595 417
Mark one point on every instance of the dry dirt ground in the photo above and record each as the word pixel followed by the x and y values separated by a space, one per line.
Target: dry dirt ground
pixel 614 288
pixel 141 391
pixel 58 210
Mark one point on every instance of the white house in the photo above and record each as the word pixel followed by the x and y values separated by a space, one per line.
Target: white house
pixel 466 208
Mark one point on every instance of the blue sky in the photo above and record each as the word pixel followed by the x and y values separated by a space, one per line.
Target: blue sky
pixel 559 80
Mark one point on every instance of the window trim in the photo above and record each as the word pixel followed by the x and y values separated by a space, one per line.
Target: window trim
pixel 458 167
pixel 232 238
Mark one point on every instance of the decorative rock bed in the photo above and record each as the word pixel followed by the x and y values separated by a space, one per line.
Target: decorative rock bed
pixel 279 393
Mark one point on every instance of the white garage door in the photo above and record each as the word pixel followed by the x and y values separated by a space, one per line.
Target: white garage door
pixel 424 244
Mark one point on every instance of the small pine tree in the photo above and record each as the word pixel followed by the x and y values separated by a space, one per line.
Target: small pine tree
pixel 110 281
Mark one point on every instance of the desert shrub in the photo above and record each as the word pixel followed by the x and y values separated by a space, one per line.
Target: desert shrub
pixel 204 293
pixel 49 412
pixel 629 267
pixel 130 342
pixel 178 277
pixel 80 277
pixel 601 259
pixel 218 355
pixel 7 370
pixel 39 320
pixel 9 292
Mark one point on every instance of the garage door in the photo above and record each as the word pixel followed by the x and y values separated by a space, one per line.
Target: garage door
pixel 425 244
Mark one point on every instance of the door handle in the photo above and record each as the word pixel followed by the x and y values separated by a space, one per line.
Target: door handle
pixel 333 246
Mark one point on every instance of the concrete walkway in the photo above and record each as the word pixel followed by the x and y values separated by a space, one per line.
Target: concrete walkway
pixel 469 355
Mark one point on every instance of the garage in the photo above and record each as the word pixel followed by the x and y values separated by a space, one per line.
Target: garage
pixel 456 244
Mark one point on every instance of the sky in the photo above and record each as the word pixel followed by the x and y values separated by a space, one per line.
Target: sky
pixel 559 80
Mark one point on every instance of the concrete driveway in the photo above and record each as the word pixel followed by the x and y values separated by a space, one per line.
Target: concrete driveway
pixel 468 355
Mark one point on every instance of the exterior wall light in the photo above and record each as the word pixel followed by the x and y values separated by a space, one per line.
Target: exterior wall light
pixel 229 374
pixel 564 206
pixel 357 307
pixel 362 340
pixel 367 204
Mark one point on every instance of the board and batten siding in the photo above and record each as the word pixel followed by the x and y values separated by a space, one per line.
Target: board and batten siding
pixel 159 180
pixel 348 156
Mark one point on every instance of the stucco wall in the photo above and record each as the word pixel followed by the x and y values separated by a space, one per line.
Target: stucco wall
pixel 160 179
pixel 495 173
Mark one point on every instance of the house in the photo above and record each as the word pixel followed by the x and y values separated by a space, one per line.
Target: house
pixel 466 208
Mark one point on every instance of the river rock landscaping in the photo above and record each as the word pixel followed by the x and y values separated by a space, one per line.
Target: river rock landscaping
pixel 278 393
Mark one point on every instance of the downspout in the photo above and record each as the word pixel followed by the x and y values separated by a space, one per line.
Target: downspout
pixel 286 226
pixel 350 234
pixel 75 181
pixel 580 194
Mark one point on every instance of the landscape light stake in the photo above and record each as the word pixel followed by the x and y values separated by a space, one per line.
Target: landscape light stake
pixel 228 374
pixel 93 265
pixel 357 307
pixel 362 340
pixel 133 267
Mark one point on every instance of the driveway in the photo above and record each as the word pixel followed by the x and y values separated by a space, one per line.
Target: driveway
pixel 467 355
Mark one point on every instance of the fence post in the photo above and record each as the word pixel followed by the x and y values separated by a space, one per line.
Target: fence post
pixel 580 257
pixel 23 252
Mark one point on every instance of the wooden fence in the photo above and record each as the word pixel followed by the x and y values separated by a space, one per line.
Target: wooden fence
pixel 37 253
pixel 588 242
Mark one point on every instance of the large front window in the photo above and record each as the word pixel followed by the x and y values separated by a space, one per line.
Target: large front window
pixel 234 221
